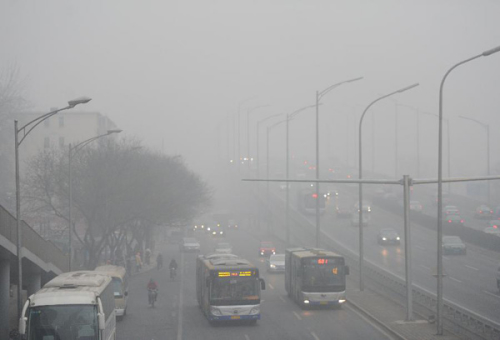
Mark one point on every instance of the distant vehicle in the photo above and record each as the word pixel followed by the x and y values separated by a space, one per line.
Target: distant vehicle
pixel 453 245
pixel 494 223
pixel 388 236
pixel 342 212
pixel 199 227
pixel 484 212
pixel 315 277
pixel 228 289
pixel 73 305
pixel 451 210
pixel 416 206
pixel 454 219
pixel 355 220
pixel 120 285
pixel 189 244
pixel 492 230
pixel 276 263
pixel 231 224
pixel 216 230
pixel 307 201
pixel 367 207
pixel 267 248
pixel 223 248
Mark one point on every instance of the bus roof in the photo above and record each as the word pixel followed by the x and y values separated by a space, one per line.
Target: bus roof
pixel 113 271
pixel 73 288
pixel 227 263
pixel 311 252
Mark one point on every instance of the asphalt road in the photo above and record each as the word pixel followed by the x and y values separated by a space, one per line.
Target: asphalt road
pixel 470 280
pixel 177 315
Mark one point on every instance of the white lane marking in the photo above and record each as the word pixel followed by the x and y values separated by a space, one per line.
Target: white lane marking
pixel 181 297
pixel 282 298
pixel 491 294
pixel 420 247
pixel 297 315
pixel 470 267
pixel 247 337
pixel 314 336
pixel 456 280
pixel 270 285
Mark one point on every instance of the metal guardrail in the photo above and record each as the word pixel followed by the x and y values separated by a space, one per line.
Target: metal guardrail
pixel 457 319
pixel 45 250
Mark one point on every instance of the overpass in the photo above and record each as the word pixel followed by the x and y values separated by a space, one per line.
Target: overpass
pixel 42 261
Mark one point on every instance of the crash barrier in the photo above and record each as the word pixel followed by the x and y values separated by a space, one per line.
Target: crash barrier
pixel 456 319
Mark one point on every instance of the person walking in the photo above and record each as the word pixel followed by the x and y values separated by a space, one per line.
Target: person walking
pixel 138 262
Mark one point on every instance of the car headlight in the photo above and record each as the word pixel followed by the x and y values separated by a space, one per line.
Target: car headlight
pixel 214 233
pixel 341 301
pixel 208 228
pixel 202 227
pixel 398 238
pixel 272 266
pixel 215 311
pixel 384 239
pixel 221 232
pixel 261 253
pixel 254 311
pixel 306 301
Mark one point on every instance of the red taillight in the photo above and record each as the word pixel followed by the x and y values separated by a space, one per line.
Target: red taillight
pixel 449 221
pixel 491 211
pixel 461 221
pixel 495 226
pixel 480 211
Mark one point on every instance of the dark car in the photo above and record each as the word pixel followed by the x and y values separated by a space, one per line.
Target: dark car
pixel 342 212
pixel 454 219
pixel 388 236
pixel 267 248
pixel 484 212
pixel 453 245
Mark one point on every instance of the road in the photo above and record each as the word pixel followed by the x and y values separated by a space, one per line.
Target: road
pixel 177 316
pixel 470 280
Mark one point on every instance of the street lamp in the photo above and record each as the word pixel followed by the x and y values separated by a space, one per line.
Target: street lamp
pixel 72 150
pixel 258 129
pixel 248 132
pixel 440 191
pixel 26 129
pixel 487 128
pixel 360 202
pixel 320 95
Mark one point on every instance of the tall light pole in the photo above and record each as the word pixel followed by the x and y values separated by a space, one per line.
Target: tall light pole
pixel 258 133
pixel 72 150
pixel 248 133
pixel 319 95
pixel 487 128
pixel 440 192
pixel 360 201
pixel 25 130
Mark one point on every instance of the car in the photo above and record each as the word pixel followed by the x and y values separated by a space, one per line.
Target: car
pixel 223 248
pixel 366 207
pixel 454 219
pixel 355 220
pixel 451 210
pixel 492 230
pixel 267 248
pixel 189 244
pixel 216 230
pixel 199 227
pixel 276 263
pixel 416 206
pixel 453 245
pixel 388 236
pixel 231 224
pixel 484 212
pixel 494 223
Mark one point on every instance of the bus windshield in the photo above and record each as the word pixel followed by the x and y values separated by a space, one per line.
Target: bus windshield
pixel 323 275
pixel 63 322
pixel 235 290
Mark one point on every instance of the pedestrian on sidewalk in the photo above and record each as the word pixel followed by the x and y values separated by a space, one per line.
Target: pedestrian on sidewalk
pixel 138 262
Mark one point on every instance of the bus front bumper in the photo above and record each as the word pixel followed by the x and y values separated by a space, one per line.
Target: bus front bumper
pixel 120 311
pixel 320 299
pixel 225 313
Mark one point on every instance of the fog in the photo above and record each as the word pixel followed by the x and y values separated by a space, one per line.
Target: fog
pixel 174 73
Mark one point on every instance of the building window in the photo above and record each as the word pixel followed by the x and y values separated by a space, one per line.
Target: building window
pixel 46 142
pixel 61 142
pixel 61 121
pixel 46 122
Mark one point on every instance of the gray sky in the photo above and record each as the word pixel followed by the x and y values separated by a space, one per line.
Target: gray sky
pixel 172 71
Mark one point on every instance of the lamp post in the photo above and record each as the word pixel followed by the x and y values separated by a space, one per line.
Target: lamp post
pixel 360 201
pixel 25 130
pixel 439 322
pixel 258 129
pixel 72 150
pixel 319 95
pixel 248 132
pixel 487 128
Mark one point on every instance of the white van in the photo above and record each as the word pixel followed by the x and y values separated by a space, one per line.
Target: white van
pixel 75 305
pixel 120 287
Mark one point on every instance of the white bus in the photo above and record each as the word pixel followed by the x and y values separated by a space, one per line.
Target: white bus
pixel 75 305
pixel 228 288
pixel 120 287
